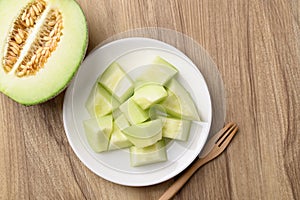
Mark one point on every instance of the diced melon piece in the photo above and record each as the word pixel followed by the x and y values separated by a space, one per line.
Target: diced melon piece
pixel 159 73
pixel 122 122
pixel 144 134
pixel 148 155
pixel 116 81
pixel 178 129
pixel 98 131
pixel 116 113
pixel 172 104
pixel 149 94
pixel 179 103
pixel 133 112
pixel 100 102
pixel 160 60
pixel 106 123
pixel 118 140
pixel 157 110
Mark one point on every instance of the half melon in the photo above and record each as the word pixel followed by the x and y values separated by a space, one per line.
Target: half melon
pixel 42 44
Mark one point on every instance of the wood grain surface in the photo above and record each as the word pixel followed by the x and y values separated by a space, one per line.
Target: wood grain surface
pixel 256 46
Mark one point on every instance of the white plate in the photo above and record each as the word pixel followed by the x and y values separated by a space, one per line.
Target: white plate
pixel 115 165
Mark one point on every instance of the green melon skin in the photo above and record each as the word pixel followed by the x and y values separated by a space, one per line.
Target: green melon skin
pixel 179 103
pixel 60 68
pixel 98 131
pixel 148 155
pixel 116 81
pixel 144 134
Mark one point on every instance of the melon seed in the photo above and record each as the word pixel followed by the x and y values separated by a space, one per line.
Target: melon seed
pixel 18 39
pixel 35 10
pixel 21 33
pixel 32 13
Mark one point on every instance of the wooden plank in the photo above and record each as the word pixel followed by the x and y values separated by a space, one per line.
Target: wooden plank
pixel 256 47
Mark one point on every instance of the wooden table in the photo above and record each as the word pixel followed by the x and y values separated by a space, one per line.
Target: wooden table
pixel 256 47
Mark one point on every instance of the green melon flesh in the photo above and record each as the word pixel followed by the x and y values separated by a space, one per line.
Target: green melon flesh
pixel 149 94
pixel 160 60
pixel 156 111
pixel 116 113
pixel 122 122
pixel 115 80
pixel 159 72
pixel 178 129
pixel 148 155
pixel 100 102
pixel 179 103
pixel 133 112
pixel 144 134
pixel 118 140
pixel 98 131
pixel 60 67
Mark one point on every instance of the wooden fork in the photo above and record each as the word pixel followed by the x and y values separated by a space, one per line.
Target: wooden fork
pixel 213 148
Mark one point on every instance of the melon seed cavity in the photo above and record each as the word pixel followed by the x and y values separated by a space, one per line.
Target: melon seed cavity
pixel 44 43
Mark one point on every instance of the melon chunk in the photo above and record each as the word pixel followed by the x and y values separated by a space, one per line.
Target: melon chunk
pixel 98 131
pixel 149 94
pixel 156 111
pixel 148 155
pixel 116 81
pixel 133 112
pixel 178 129
pixel 160 72
pixel 179 103
pixel 118 140
pixel 144 134
pixel 161 61
pixel 122 122
pixel 100 102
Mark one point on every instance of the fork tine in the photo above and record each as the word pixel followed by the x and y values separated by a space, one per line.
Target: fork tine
pixel 232 134
pixel 223 131
pixel 228 136
pixel 227 130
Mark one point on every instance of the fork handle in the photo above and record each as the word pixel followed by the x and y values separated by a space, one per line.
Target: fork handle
pixel 177 185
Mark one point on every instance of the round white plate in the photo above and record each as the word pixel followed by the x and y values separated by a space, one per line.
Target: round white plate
pixel 115 165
